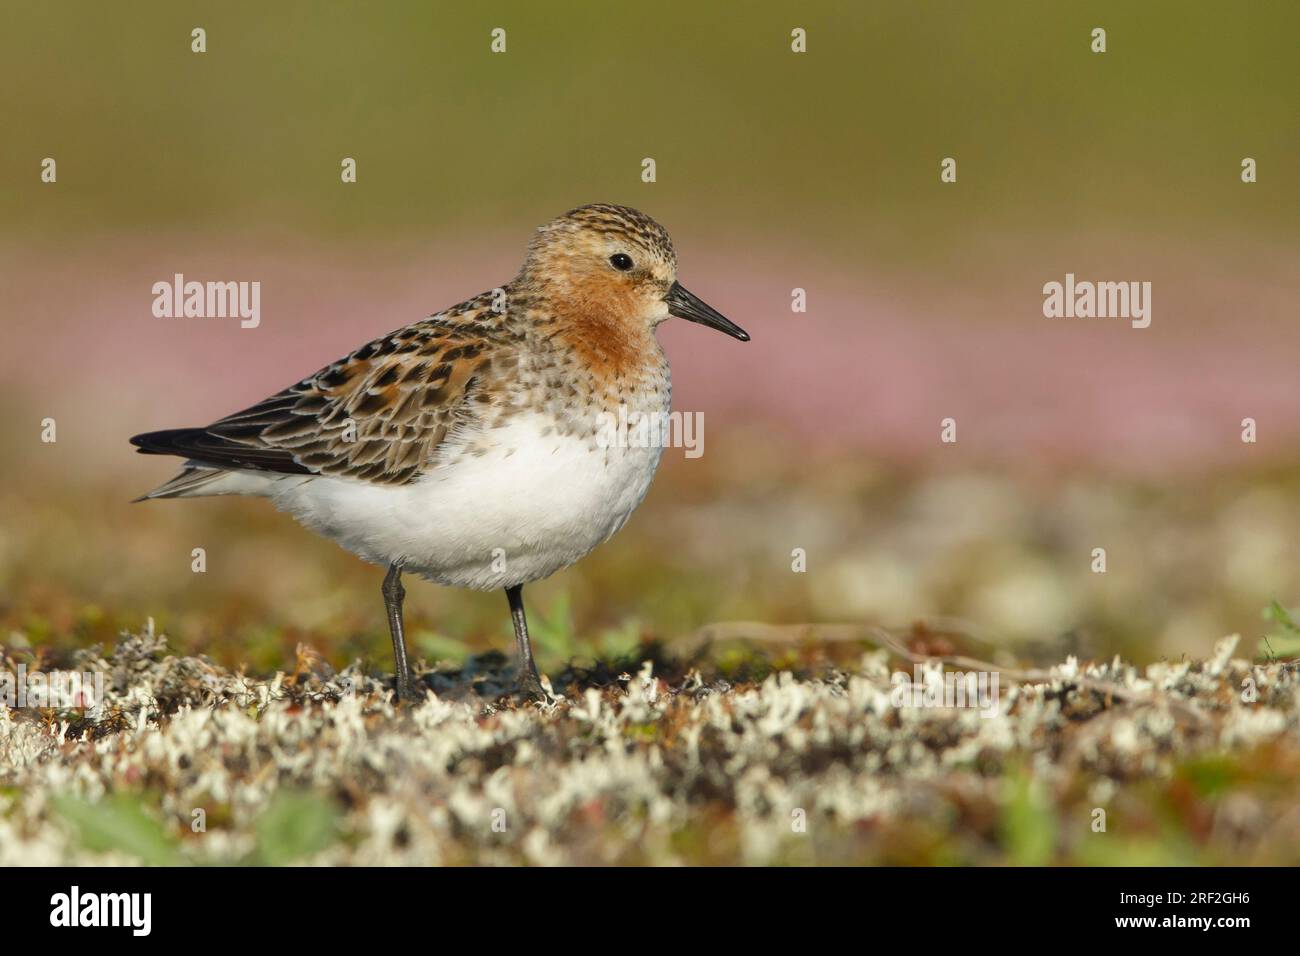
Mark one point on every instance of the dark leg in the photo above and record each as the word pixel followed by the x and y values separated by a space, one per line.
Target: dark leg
pixel 393 595
pixel 529 682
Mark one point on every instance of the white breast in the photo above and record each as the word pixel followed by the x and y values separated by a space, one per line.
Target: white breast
pixel 532 504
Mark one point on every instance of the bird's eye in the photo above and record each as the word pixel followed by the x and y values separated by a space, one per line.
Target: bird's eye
pixel 621 261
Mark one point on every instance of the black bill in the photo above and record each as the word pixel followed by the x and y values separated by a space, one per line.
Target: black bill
pixel 684 305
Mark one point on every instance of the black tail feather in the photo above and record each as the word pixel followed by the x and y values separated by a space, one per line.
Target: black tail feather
pixel 172 441
pixel 199 444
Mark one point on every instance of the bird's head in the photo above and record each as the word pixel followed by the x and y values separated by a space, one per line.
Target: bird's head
pixel 615 262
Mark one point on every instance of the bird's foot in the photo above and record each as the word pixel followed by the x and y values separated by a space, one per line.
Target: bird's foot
pixel 410 690
pixel 529 686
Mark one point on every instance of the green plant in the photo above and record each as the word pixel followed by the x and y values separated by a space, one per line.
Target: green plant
pixel 293 826
pixel 1028 821
pixel 1285 641
pixel 121 823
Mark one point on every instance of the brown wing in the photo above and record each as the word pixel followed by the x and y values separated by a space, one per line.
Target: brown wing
pixel 376 415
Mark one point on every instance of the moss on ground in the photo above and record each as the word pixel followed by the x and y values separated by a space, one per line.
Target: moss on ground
pixel 657 759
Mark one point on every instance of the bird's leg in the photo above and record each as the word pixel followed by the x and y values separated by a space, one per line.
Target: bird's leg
pixel 393 595
pixel 529 682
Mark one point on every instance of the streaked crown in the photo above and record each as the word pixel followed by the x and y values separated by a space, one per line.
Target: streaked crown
pixel 599 230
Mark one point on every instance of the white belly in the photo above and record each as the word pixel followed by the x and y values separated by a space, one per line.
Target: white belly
pixel 530 506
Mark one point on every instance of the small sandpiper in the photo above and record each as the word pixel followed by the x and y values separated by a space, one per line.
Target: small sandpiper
pixel 467 448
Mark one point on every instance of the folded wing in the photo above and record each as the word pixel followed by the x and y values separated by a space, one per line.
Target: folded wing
pixel 376 415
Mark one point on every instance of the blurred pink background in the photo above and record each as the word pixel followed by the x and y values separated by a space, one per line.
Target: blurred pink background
pixel 872 367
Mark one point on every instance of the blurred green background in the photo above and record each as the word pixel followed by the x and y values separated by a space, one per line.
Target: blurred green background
pixel 836 149
pixel 774 171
